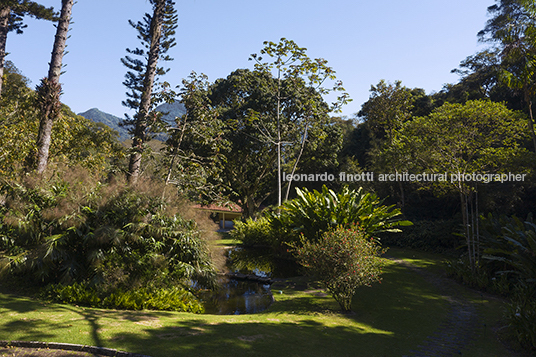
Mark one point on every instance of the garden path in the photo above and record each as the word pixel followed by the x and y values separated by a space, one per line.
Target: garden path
pixel 462 322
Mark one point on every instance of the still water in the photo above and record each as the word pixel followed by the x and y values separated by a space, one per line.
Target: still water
pixel 236 297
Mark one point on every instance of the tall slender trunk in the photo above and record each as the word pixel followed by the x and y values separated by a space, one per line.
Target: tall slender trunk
pixel 278 138
pixel 297 160
pixel 4 29
pixel 140 131
pixel 50 88
pixel 531 121
pixel 176 149
pixel 466 225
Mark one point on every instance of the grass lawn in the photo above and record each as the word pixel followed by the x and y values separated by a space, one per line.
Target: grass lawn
pixel 390 319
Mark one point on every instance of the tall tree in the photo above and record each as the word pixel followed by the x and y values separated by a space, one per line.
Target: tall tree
pixel 156 34
pixel 512 29
pixel 464 141
pixel 245 107
pixel 49 90
pixel 12 13
pixel 291 63
pixel 193 159
pixel 388 108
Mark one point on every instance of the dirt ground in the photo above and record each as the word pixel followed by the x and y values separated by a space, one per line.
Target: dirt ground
pixel 41 352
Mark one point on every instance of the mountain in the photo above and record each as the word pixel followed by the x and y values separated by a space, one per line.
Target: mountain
pixel 170 112
pixel 112 121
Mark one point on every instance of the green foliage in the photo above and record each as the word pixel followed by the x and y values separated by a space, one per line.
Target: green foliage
pixel 194 159
pixel 252 232
pixel 21 8
pixel 146 298
pixel 458 139
pixel 427 235
pixel 343 260
pixel 313 213
pixel 74 228
pixel 75 140
pixel 521 317
pixel 508 267
pixel 389 106
pixel 511 243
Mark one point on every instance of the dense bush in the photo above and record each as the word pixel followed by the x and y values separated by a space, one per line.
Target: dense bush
pixel 252 232
pixel 428 235
pixel 147 298
pixel 508 267
pixel 72 228
pixel 313 213
pixel 342 259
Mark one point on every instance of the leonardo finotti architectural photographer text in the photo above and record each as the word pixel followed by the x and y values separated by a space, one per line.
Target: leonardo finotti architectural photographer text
pixel 406 177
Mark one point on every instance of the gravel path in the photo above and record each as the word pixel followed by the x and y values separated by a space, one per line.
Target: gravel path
pixel 458 330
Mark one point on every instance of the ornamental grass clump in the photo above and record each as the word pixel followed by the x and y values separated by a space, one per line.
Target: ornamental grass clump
pixel 343 260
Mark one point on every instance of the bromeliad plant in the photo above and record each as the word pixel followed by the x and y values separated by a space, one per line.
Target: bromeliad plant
pixel 313 213
pixel 343 260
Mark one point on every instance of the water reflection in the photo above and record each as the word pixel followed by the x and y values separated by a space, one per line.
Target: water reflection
pixel 238 297
pixel 248 297
pixel 261 262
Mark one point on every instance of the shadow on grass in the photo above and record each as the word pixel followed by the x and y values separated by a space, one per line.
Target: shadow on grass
pixel 389 319
pixel 302 337
pixel 24 314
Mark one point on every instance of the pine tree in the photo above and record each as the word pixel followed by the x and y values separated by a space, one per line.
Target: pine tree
pixel 49 90
pixel 156 34
pixel 12 14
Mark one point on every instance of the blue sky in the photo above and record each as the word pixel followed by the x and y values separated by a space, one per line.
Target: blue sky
pixel 416 41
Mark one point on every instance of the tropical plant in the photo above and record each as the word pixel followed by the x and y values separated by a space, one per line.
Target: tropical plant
pixel 308 78
pixel 75 229
pixel 510 246
pixel 512 243
pixel 149 298
pixel 313 213
pixel 343 259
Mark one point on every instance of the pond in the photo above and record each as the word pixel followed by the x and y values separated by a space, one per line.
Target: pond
pixel 236 297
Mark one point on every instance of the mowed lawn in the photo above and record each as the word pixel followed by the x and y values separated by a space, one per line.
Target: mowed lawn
pixel 389 319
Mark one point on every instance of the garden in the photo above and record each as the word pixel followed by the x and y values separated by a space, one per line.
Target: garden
pixel 406 230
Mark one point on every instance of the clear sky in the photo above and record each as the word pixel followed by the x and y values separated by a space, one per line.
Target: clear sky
pixel 416 41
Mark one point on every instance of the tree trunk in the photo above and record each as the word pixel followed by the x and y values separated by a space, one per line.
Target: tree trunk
pixel 297 160
pixel 279 139
pixel 140 130
pixel 4 29
pixel 466 226
pixel 51 88
pixel 531 124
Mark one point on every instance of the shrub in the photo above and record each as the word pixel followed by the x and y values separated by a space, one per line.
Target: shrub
pixel 427 235
pixel 342 259
pixel 510 249
pixel 521 316
pixel 313 213
pixel 147 298
pixel 72 228
pixel 253 232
